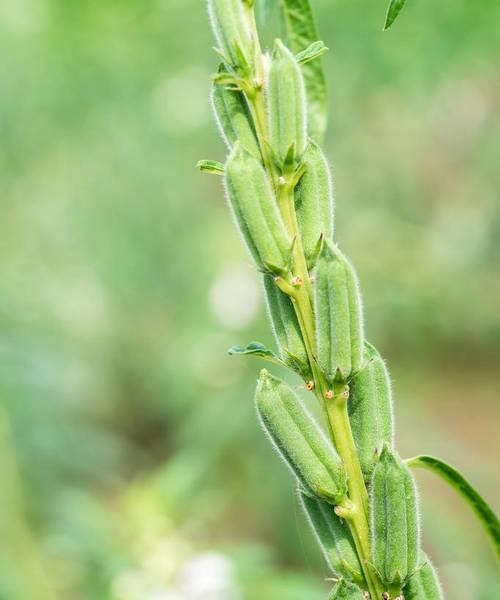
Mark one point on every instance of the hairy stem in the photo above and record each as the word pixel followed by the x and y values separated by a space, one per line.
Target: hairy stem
pixel 333 402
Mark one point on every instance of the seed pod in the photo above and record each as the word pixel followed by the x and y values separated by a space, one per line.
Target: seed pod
pixel 334 538
pixel 299 440
pixel 287 103
pixel 338 315
pixel 314 201
pixel 284 322
pixel 255 209
pixel 395 522
pixel 424 584
pixel 231 26
pixel 344 590
pixel 234 119
pixel 370 409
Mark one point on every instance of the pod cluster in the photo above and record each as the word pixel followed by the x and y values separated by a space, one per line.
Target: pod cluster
pixel 287 104
pixel 395 520
pixel 255 210
pixel 370 409
pixel 314 202
pixel 338 315
pixel 299 440
pixel 270 148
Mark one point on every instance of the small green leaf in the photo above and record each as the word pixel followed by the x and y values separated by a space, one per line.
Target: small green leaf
pixel 300 30
pixel 210 166
pixel 483 510
pixel 395 7
pixel 255 349
pixel 275 270
pixel 313 51
pixel 225 78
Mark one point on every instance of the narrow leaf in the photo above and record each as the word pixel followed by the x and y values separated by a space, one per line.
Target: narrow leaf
pixel 255 349
pixel 301 32
pixel 483 510
pixel 315 50
pixel 213 167
pixel 395 7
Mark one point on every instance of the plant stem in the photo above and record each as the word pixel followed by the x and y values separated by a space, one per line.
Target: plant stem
pixel 356 510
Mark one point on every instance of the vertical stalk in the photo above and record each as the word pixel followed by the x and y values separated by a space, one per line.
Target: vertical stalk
pixel 333 402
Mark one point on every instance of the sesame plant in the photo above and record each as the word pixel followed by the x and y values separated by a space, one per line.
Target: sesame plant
pixel 357 492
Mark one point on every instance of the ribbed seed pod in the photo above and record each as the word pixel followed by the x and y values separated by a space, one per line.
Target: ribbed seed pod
pixel 370 409
pixel 299 440
pixel 334 538
pixel 314 200
pixel 255 209
pixel 344 590
pixel 395 521
pixel 338 315
pixel 287 103
pixel 230 26
pixel 284 323
pixel 234 119
pixel 424 584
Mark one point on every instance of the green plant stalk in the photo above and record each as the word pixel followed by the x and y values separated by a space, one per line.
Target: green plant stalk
pixel 355 509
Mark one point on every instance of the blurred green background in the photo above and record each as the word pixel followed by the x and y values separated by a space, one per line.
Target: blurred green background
pixel 131 464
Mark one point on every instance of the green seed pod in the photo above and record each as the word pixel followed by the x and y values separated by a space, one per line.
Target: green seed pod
pixel 255 209
pixel 334 538
pixel 314 201
pixel 338 315
pixel 344 590
pixel 287 103
pixel 299 440
pixel 424 584
pixel 234 119
pixel 231 27
pixel 370 409
pixel 284 322
pixel 395 521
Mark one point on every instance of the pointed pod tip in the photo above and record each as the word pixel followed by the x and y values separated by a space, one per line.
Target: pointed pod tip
pixel 280 50
pixel 386 453
pixel 265 378
pixel 329 250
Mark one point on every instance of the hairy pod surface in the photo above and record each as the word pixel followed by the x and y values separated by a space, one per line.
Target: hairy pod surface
pixel 345 590
pixel 424 584
pixel 287 103
pixel 338 314
pixel 395 520
pixel 370 409
pixel 299 440
pixel 234 119
pixel 284 322
pixel 255 209
pixel 231 26
pixel 334 538
pixel 314 201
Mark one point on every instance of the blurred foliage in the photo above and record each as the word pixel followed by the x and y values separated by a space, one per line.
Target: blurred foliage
pixel 132 465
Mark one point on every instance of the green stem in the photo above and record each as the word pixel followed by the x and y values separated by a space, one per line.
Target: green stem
pixel 356 508
pixel 357 513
